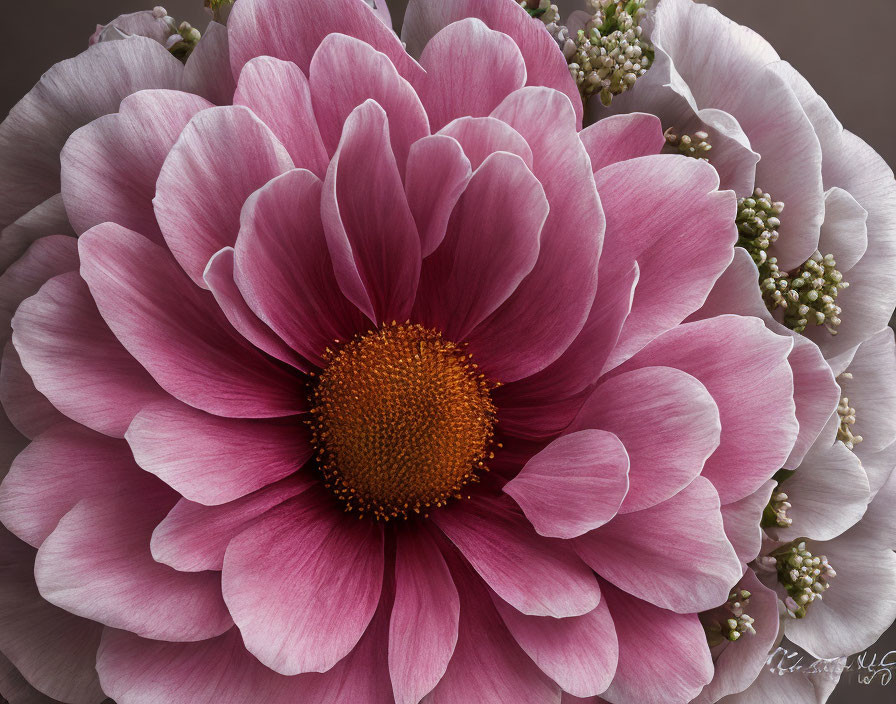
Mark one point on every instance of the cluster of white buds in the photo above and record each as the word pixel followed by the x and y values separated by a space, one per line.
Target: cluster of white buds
pixel 847 419
pixel 803 576
pixel 696 146
pixel 609 54
pixel 729 621
pixel 807 295
pixel 775 513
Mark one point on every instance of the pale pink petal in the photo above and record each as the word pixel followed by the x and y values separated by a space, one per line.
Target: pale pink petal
pixel 437 174
pixel 684 241
pixel 738 663
pixel 45 258
pixel 481 137
pixel 284 271
pixel 744 367
pixel 97 564
pixel 47 218
pixel 194 537
pixel 68 96
pixel 668 423
pixel 177 332
pixel 303 583
pixel 51 648
pixel 59 468
pixel 278 92
pixel 423 625
pixel 538 576
pixel 663 656
pixel 844 232
pixel 574 485
pixel 207 71
pixel 551 305
pixel 370 230
pixel 674 555
pixel 110 166
pixel 200 214
pixel 578 653
pixel 219 277
pixel 455 85
pixel 213 460
pixel 373 78
pixel 293 31
pixel 489 247
pixel 742 522
pixel 100 385
pixel 622 137
pixel 791 685
pixel 828 476
pixel 545 64
pixel 26 407
pixel 488 665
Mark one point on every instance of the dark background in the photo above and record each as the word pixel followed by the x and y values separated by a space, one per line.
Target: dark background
pixel 844 47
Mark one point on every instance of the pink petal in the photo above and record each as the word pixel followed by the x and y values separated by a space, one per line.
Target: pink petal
pixel 303 583
pixel 71 94
pixel 437 174
pixel 545 403
pixel 490 246
pixel 423 626
pixel 487 666
pixel 744 367
pixel 816 393
pixel 177 332
pixel 219 670
pixel 844 232
pixel 59 468
pixel 284 271
pixel 370 231
pixel 373 78
pixel 551 305
pixel 207 71
pixel 213 460
pixel 26 407
pixel 456 84
pixel 574 485
pixel 674 555
pixel 97 564
pixel 47 218
pixel 110 166
pixel 51 648
pixel 45 258
pixel 278 92
pixel 194 537
pixel 663 656
pixel 219 277
pixel 742 522
pixel 539 576
pixel 668 423
pixel 684 241
pixel 622 137
pixel 200 214
pixel 293 32
pixel 481 137
pixel 578 653
pixel 545 65
pixel 100 385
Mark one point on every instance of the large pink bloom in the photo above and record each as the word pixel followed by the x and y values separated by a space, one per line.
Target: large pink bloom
pixel 360 291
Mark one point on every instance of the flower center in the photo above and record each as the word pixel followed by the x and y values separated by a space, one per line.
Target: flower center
pixel 402 421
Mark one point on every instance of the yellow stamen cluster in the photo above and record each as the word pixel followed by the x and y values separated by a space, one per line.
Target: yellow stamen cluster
pixel 402 420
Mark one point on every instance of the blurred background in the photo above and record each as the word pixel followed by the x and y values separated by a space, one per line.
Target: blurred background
pixel 844 47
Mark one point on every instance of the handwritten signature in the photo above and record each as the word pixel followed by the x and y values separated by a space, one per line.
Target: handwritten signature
pixel 869 668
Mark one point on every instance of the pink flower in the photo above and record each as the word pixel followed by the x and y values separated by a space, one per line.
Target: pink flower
pixel 379 383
